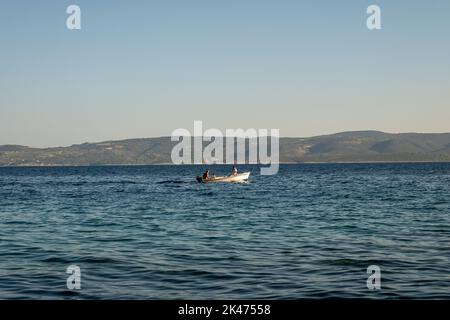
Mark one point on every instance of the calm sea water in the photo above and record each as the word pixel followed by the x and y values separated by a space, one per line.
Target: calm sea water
pixel 152 232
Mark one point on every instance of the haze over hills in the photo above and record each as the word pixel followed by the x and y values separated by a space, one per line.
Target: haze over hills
pixel 353 146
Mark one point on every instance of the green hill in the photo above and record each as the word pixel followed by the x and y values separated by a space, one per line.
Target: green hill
pixel 355 146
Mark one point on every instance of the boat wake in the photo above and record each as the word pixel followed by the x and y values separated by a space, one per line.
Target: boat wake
pixel 172 182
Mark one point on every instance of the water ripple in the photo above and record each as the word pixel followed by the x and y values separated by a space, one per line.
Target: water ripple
pixel 152 232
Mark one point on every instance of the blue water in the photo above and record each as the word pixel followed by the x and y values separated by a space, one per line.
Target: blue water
pixel 152 232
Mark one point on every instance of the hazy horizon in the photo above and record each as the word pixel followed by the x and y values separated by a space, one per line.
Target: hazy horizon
pixel 143 69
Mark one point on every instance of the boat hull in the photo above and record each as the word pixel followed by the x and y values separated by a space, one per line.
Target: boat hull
pixel 237 178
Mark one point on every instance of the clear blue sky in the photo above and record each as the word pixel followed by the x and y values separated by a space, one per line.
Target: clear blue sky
pixel 145 68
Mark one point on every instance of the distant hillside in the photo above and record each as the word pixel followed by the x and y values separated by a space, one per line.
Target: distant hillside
pixel 355 146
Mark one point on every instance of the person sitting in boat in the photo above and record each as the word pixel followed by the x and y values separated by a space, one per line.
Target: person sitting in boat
pixel 206 175
pixel 234 171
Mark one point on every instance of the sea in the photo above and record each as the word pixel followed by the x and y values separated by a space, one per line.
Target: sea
pixel 152 232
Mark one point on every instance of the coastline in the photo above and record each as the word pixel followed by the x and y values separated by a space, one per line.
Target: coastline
pixel 222 164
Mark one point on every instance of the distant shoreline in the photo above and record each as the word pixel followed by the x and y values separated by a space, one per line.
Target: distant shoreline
pixel 344 147
pixel 224 164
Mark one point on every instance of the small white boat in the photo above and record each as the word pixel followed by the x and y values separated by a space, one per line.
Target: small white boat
pixel 240 177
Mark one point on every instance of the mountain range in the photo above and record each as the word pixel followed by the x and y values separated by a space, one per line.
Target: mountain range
pixel 353 146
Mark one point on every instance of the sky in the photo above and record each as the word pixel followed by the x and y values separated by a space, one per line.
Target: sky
pixel 145 68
